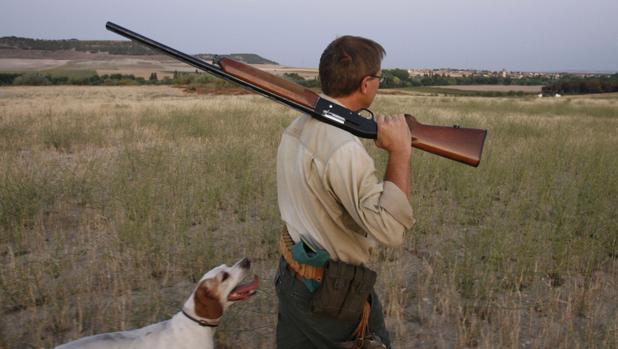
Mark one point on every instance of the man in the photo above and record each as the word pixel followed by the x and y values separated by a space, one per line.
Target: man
pixel 331 200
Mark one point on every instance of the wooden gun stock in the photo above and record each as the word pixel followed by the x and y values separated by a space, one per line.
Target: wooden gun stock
pixel 456 143
pixel 460 144
pixel 274 84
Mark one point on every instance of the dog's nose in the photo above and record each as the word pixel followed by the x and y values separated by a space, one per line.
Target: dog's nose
pixel 245 263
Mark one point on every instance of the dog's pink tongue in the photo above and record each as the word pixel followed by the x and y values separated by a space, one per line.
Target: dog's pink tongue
pixel 244 291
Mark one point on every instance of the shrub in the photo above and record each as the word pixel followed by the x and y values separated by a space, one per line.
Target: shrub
pixel 34 79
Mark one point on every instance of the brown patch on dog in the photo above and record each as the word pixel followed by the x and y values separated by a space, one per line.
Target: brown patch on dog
pixel 207 304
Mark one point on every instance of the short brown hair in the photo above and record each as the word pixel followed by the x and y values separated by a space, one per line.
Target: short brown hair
pixel 346 61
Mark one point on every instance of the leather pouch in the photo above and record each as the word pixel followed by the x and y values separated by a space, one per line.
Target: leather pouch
pixel 358 293
pixel 343 291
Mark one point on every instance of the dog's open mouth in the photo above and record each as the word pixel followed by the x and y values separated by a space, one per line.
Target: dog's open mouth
pixel 244 291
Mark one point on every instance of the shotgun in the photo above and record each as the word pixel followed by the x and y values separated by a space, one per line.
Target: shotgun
pixel 456 143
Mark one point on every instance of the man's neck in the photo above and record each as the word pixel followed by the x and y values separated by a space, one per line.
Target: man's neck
pixel 351 102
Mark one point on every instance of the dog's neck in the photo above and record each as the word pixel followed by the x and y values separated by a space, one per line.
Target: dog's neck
pixel 200 321
pixel 180 323
pixel 189 312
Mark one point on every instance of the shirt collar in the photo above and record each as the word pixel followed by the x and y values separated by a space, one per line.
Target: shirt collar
pixel 331 99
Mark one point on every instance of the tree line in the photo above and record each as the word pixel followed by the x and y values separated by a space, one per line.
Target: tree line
pixel 55 78
pixel 401 78
pixel 600 84
pixel 43 79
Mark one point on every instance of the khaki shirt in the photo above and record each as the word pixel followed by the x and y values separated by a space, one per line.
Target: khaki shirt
pixel 329 194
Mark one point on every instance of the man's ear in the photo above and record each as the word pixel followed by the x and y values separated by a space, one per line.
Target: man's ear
pixel 206 299
pixel 364 85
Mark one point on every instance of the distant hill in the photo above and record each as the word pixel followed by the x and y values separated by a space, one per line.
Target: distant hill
pixel 19 47
pixel 92 46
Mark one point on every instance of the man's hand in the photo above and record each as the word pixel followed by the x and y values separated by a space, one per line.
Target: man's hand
pixel 394 137
pixel 393 134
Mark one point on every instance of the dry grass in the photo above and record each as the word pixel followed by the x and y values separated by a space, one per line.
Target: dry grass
pixel 113 200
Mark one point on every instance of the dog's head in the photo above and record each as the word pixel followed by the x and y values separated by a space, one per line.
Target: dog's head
pixel 219 288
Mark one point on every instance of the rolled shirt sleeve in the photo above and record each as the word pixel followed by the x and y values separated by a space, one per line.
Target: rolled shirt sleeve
pixel 379 208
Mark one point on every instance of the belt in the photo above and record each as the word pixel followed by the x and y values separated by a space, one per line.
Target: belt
pixel 301 270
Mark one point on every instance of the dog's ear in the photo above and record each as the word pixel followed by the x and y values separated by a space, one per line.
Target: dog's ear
pixel 207 302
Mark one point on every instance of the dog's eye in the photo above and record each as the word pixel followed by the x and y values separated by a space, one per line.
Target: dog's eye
pixel 225 276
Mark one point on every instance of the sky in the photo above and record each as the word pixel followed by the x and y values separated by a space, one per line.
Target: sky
pixel 516 35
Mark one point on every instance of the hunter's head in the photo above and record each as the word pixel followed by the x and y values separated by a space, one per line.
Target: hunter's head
pixel 348 63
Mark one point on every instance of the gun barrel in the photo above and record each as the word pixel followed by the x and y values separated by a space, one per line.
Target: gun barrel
pixel 194 61
pixel 200 64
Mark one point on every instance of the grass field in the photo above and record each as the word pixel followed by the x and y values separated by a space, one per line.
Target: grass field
pixel 469 91
pixel 115 200
pixel 495 88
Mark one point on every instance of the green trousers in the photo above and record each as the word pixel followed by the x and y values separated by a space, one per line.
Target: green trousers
pixel 299 328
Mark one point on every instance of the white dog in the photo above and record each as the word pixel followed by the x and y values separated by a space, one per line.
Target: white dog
pixel 194 326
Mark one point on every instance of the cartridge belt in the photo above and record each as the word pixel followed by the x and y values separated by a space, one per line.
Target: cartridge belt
pixel 301 270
